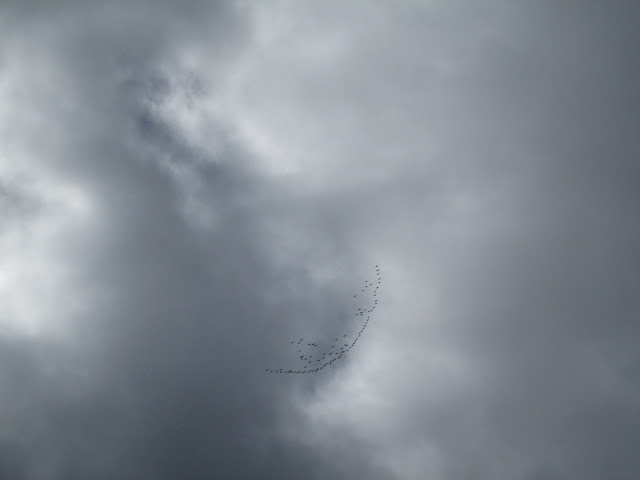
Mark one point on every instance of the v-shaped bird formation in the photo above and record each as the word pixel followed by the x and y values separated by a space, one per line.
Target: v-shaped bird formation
pixel 310 356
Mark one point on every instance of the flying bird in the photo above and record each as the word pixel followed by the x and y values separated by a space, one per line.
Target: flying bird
pixel 342 350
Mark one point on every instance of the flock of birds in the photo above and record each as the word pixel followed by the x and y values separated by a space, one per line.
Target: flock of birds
pixel 321 360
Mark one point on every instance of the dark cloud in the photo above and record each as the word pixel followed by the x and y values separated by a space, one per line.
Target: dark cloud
pixel 185 189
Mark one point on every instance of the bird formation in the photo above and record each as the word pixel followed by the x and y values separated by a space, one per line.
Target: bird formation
pixel 306 349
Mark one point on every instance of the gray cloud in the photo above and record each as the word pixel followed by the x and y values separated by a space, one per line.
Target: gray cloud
pixel 188 188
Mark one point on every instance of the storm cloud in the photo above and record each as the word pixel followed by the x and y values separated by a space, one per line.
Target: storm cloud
pixel 186 187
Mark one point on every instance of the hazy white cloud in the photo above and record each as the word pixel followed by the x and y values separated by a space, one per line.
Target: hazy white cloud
pixel 185 188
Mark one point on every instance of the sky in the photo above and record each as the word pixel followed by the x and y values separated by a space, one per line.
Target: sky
pixel 187 187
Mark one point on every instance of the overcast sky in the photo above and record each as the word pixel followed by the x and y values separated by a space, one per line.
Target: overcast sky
pixel 186 187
